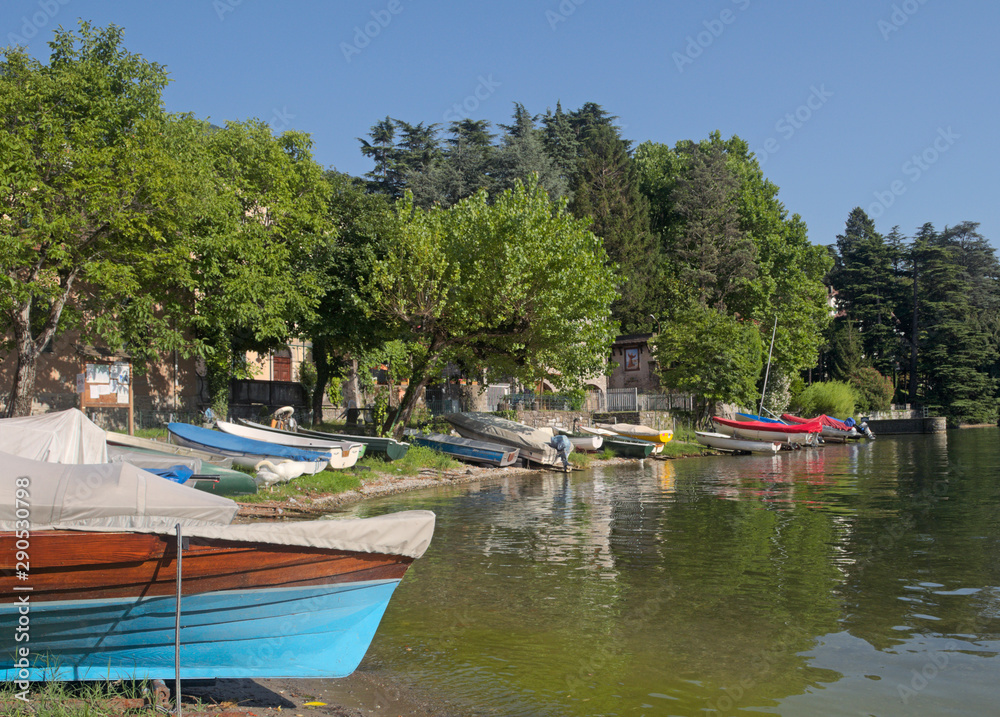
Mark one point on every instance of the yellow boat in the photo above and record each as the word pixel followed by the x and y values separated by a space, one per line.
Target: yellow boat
pixel 642 433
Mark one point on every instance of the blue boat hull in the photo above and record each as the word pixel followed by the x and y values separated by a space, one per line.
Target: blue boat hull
pixel 312 631
pixel 501 456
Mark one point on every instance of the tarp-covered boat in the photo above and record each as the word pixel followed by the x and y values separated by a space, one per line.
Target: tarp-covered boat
pixel 207 476
pixel 832 429
pixel 532 443
pixel 638 432
pixel 803 434
pixel 88 558
pixel 59 437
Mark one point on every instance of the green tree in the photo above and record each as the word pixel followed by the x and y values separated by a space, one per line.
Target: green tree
pixel 523 154
pixel 867 288
pixel 95 189
pixel 466 165
pixel 387 175
pixel 252 267
pixel 518 286
pixel 606 190
pixel 712 355
pixel 342 330
pixel 955 351
pixel 787 269
pixel 711 253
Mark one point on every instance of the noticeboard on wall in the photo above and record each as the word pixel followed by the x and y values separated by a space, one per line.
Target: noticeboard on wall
pixel 105 385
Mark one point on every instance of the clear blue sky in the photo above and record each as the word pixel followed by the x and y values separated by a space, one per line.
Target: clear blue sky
pixel 890 105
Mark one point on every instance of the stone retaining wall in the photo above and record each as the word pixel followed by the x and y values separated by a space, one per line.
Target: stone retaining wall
pixel 907 426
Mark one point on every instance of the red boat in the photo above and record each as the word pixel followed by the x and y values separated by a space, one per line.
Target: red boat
pixel 804 433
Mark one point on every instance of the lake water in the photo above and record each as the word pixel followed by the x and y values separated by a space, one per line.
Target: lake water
pixel 859 579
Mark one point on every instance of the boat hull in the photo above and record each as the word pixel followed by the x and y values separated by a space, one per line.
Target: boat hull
pixel 766 432
pixel 628 448
pixel 588 444
pixel 250 457
pixel 343 454
pixel 466 449
pixel 387 448
pixel 729 443
pixel 102 606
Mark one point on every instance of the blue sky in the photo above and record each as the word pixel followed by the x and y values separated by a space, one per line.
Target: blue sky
pixel 890 105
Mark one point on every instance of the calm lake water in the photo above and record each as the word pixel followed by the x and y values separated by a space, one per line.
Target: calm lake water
pixel 855 579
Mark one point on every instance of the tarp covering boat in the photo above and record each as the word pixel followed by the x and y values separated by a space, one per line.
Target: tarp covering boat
pixel 532 443
pixel 121 497
pixel 638 431
pixel 824 420
pixel 60 437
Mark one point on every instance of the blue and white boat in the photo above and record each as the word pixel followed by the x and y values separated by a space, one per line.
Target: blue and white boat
pixel 466 449
pixel 245 452
pixel 99 598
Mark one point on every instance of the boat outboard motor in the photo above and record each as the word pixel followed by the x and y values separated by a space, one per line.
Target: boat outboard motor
pixel 867 431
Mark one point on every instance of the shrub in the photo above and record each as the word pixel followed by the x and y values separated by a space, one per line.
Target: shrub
pixel 834 398
pixel 874 391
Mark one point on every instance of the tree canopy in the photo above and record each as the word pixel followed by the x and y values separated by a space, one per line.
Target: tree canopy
pixel 518 287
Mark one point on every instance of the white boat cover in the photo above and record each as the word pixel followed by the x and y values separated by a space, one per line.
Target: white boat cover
pixel 633 430
pixel 531 442
pixel 120 497
pixel 59 437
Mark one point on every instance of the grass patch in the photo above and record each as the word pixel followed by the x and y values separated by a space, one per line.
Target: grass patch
pixel 306 487
pixel 676 448
pixel 72 699
pixel 605 454
pixel 581 460
pixel 418 458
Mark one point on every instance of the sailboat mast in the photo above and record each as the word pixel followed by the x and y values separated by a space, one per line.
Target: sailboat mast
pixel 767 373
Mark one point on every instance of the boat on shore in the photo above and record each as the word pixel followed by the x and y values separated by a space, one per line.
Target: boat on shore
pixel 802 434
pixel 206 476
pixel 342 454
pixel 111 545
pixel 735 445
pixel 244 451
pixel 638 432
pixel 832 429
pixel 620 445
pixel 587 444
pixel 532 443
pixel 382 446
pixel 127 441
pixel 467 449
